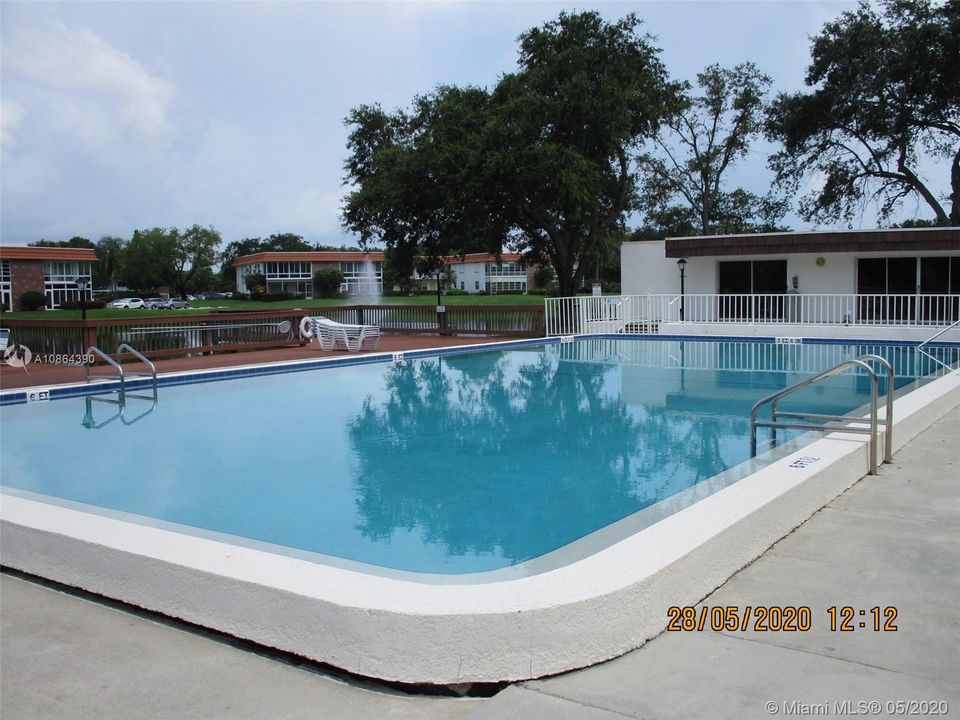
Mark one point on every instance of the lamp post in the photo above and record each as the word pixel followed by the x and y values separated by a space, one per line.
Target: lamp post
pixel 82 287
pixel 682 264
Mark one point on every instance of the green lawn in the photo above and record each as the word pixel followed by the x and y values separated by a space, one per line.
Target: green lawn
pixel 206 306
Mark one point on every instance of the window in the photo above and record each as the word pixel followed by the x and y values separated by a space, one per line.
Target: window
pixel 476 285
pixel 503 286
pixel 505 268
pixel 889 288
pixel 289 271
pixel 752 277
pixel 362 278
pixel 300 288
pixel 6 299
pixel 60 282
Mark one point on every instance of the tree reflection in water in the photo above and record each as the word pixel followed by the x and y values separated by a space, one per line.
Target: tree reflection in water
pixel 516 453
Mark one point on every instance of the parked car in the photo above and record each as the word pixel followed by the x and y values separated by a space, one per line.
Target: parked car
pixel 175 304
pixel 127 303
pixel 154 303
pixel 215 296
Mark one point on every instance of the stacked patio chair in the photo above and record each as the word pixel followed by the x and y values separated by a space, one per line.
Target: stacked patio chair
pixel 330 333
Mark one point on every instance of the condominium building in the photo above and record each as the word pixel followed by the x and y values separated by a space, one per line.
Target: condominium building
pixel 53 271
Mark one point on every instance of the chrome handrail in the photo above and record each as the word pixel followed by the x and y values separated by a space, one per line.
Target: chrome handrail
pixel 933 337
pixel 938 334
pixel 846 420
pixel 142 358
pixel 94 350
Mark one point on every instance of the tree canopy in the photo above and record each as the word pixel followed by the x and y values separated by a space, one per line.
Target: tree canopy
pixel 883 114
pixel 541 163
pixel 74 242
pixel 684 170
pixel 160 256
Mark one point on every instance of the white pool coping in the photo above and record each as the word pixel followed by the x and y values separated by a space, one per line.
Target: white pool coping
pixel 590 610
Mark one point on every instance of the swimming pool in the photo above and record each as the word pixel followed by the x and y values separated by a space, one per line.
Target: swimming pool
pixel 503 493
pixel 452 464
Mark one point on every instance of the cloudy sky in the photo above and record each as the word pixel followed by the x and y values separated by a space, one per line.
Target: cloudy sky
pixel 126 115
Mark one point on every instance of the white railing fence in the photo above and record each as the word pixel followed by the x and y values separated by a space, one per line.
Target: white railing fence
pixel 748 357
pixel 643 314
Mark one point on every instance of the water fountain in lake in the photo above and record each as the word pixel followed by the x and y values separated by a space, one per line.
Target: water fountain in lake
pixel 368 287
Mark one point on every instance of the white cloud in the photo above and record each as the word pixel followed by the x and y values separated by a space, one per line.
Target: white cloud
pixel 11 116
pixel 88 87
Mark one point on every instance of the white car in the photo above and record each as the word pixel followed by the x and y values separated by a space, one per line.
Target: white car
pixel 128 303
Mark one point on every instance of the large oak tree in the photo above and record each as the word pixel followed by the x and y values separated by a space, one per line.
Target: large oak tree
pixel 882 118
pixel 542 163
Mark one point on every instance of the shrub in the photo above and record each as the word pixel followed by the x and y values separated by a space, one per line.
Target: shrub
pixel 540 291
pixel 455 291
pixel 326 283
pixel 256 283
pixel 33 300
pixel 543 276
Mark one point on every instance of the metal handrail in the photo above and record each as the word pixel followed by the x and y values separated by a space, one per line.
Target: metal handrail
pixel 152 374
pixel 142 358
pixel 94 350
pixel 938 334
pixel 933 337
pixel 844 420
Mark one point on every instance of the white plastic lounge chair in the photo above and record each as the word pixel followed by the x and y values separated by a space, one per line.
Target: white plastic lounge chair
pixel 330 333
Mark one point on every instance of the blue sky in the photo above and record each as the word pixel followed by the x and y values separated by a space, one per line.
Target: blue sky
pixel 125 115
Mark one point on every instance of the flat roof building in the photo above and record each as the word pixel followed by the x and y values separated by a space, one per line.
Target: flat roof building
pixel 292 272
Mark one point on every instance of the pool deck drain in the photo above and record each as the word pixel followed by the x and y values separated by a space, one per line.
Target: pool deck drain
pixel 891 540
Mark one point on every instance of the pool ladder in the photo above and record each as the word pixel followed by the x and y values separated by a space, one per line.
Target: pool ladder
pixel 123 375
pixel 833 423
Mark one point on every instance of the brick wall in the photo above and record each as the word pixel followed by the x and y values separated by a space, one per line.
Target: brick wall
pixel 25 275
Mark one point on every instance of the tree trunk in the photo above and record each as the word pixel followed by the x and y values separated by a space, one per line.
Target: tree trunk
pixel 955 188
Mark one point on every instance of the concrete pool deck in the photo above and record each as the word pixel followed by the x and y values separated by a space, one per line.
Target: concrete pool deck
pixel 890 540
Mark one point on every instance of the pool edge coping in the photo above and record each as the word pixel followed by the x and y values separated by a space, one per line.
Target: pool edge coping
pixel 401 630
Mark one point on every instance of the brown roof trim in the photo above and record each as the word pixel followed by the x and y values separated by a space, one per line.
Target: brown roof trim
pixel 22 252
pixel 909 239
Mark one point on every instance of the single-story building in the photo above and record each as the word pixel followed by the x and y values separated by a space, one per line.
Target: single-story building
pixel 293 272
pixel 53 271
pixel 886 272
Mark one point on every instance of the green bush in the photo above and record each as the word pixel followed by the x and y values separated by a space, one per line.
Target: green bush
pixel 256 283
pixel 455 291
pixel 543 277
pixel 326 283
pixel 33 300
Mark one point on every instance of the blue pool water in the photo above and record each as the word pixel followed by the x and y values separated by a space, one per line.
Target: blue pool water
pixel 454 464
